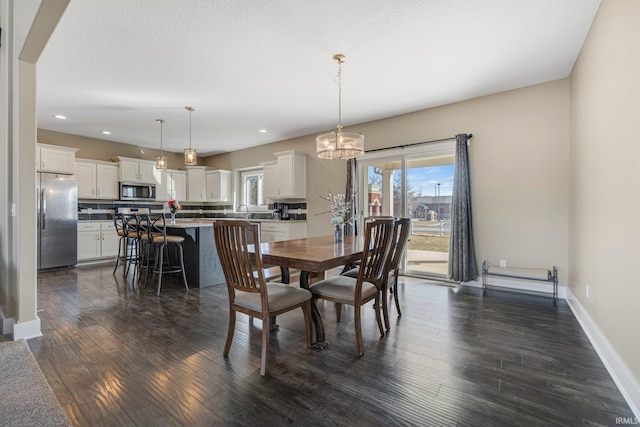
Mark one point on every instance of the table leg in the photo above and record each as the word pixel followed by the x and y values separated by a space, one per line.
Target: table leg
pixel 284 275
pixel 315 315
pixel 284 278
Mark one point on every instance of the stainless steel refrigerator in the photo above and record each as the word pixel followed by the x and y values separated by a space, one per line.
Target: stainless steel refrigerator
pixel 57 220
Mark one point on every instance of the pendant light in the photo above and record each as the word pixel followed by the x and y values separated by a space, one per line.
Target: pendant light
pixel 190 158
pixel 161 160
pixel 339 144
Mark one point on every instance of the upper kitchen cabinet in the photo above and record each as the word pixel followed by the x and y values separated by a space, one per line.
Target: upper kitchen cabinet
pixel 96 179
pixel 53 158
pixel 171 184
pixel 136 170
pixel 196 183
pixel 271 179
pixel 218 184
pixel 287 177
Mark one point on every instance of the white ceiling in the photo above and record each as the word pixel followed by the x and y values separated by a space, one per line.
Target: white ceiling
pixel 246 65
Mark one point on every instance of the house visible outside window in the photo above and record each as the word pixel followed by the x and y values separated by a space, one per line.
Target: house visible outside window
pixel 252 194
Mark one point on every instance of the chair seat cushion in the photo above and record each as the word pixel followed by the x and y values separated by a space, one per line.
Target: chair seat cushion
pixel 170 239
pixel 352 273
pixel 341 288
pixel 280 296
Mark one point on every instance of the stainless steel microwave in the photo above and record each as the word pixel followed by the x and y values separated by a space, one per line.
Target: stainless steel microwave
pixel 137 191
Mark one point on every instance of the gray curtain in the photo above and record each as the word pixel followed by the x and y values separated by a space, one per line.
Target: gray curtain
pixel 352 190
pixel 462 258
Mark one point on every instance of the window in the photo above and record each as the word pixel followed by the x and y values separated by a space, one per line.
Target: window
pixel 416 183
pixel 252 192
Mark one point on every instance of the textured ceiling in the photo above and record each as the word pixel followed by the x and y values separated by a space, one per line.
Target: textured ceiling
pixel 246 65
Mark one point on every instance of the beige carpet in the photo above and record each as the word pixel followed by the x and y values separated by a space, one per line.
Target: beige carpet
pixel 25 397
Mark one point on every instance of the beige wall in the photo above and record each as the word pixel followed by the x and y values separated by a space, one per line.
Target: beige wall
pixel 100 149
pixel 519 164
pixel 26 27
pixel 605 178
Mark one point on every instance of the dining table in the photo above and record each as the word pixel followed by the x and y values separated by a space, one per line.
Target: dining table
pixel 312 256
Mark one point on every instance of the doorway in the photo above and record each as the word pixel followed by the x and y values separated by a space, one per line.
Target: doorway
pixel 419 185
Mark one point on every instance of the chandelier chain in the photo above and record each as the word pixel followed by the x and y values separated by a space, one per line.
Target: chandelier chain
pixel 339 95
pixel 339 144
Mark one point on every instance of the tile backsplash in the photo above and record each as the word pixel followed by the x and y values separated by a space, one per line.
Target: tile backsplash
pixel 96 210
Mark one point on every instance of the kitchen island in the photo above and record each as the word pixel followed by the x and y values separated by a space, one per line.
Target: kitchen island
pixel 201 262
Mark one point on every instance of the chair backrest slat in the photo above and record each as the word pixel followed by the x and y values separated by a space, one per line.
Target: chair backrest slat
pixel 401 236
pixel 232 242
pixel 377 244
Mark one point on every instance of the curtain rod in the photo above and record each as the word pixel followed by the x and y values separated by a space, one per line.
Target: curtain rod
pixel 469 136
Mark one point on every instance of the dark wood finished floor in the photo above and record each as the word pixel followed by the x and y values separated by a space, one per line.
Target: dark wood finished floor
pixel 116 355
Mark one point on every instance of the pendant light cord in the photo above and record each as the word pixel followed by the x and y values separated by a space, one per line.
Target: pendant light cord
pixel 161 123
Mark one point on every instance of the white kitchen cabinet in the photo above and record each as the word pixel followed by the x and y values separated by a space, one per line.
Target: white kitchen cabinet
pixel 53 158
pixel 218 184
pixel 286 178
pixel 196 183
pixel 179 185
pixel 283 230
pixel 270 179
pixel 163 184
pixel 86 177
pixel 97 240
pixel 136 170
pixel 171 184
pixel 96 180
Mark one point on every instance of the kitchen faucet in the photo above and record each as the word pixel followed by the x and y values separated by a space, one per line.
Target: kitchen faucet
pixel 248 214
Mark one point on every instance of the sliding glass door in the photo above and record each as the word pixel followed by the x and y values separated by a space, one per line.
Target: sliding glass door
pixel 416 184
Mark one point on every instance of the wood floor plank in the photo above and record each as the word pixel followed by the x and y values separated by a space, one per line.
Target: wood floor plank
pixel 117 354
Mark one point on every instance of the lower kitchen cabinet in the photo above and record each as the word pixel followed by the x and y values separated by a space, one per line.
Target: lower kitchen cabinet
pixel 97 240
pixel 278 231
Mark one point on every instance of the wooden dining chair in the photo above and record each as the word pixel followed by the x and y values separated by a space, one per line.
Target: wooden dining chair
pixel 249 293
pixel 401 232
pixel 369 281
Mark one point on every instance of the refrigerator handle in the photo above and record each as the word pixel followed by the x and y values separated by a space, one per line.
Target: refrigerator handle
pixel 44 208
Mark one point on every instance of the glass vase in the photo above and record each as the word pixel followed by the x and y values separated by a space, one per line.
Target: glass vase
pixel 173 219
pixel 338 233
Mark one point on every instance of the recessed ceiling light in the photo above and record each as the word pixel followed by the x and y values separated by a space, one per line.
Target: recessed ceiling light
pixel 262 131
pixel 60 116
pixel 106 132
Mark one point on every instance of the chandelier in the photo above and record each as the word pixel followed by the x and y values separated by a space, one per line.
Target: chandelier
pixel 161 160
pixel 190 158
pixel 338 144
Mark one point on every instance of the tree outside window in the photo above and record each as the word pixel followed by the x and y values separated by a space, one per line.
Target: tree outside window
pixel 252 193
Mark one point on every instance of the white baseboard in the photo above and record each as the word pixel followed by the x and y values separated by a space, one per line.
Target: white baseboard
pixel 27 330
pixel 626 383
pixel 6 323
